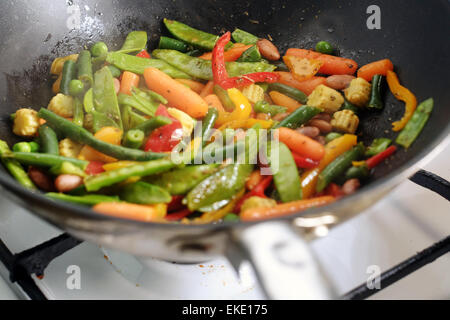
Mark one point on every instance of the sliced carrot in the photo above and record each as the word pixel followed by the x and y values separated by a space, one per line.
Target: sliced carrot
pixel 284 101
pixel 301 144
pixel 178 95
pixel 194 85
pixel 132 211
pixel 284 209
pixel 208 89
pixel 129 81
pixel 377 67
pixel 301 68
pixel 111 135
pixel 331 64
pixel 306 86
pixel 213 101
pixel 230 55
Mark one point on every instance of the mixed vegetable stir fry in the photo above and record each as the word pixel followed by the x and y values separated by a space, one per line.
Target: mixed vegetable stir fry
pixel 108 136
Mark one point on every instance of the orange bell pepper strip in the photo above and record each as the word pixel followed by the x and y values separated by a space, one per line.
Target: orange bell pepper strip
pixel 332 150
pixel 246 124
pixel 230 55
pixel 241 112
pixel 402 94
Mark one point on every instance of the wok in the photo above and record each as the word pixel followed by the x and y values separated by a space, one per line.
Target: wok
pixel 413 35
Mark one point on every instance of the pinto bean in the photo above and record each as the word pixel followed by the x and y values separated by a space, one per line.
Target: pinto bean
pixel 324 126
pixel 339 82
pixel 268 50
pixel 350 186
pixel 262 116
pixel 116 85
pixel 321 140
pixel 68 182
pixel 311 132
pixel 280 116
pixel 40 179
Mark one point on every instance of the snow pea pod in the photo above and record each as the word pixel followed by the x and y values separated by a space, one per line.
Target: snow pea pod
pixel 173 44
pixel 285 173
pixel 15 168
pixel 126 62
pixel 202 69
pixel 222 94
pixel 78 113
pixel 250 55
pixel 88 200
pixel 105 179
pixel 180 181
pixel 241 36
pixel 195 37
pixel 413 128
pixel 338 167
pixel 144 193
pixel 377 146
pixel 105 98
pixel 299 117
pixel 136 41
pixel 81 135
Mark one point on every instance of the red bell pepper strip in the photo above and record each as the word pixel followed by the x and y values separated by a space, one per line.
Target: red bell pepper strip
pixel 94 167
pixel 176 204
pixel 377 159
pixel 178 215
pixel 304 163
pixel 144 54
pixel 257 191
pixel 334 190
pixel 165 138
pixel 220 74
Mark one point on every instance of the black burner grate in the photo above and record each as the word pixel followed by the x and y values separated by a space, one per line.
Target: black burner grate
pixel 35 260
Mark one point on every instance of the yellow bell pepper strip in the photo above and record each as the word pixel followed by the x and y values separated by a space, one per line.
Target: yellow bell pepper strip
pixel 332 150
pixel 402 94
pixel 242 111
pixel 246 124
pixel 216 215
pixel 118 165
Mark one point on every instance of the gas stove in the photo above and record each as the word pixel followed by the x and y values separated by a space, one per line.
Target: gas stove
pixel 407 221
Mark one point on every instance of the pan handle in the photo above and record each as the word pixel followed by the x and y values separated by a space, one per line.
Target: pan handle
pixel 284 265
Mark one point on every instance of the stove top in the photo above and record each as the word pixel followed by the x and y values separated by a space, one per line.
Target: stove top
pixel 410 219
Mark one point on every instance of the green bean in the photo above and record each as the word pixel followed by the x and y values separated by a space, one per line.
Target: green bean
pixel 81 135
pixel 67 168
pixel 376 102
pixel 222 94
pixel 126 62
pixel 250 55
pixel 99 49
pixel 289 91
pixel 280 66
pixel 105 179
pixel 76 87
pixel 377 146
pixel 299 117
pixel 152 124
pixel 202 69
pixel 44 159
pixel 49 140
pixel 68 73
pixel 173 44
pixel 360 172
pixel 14 167
pixel 84 65
pixel 144 193
pixel 264 107
pixel 208 124
pixel 349 106
pixel 413 128
pixel 78 112
pixel 88 200
pixel 231 217
pixel 134 139
pixel 241 36
pixel 338 167
pixel 324 47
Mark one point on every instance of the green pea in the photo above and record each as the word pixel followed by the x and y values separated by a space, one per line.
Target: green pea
pixel 324 47
pixel 76 87
pixel 332 136
pixel 22 147
pixel 34 146
pixel 114 71
pixel 99 49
